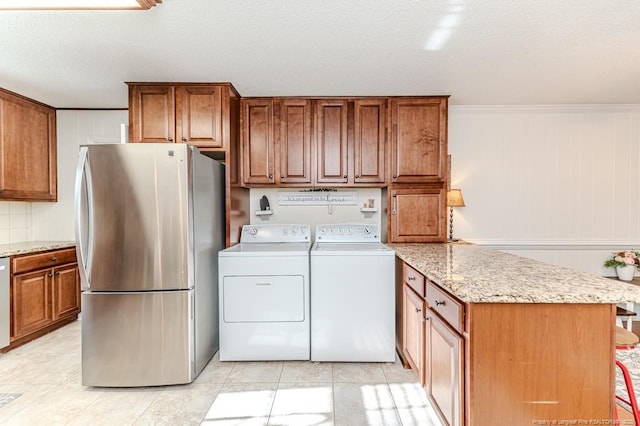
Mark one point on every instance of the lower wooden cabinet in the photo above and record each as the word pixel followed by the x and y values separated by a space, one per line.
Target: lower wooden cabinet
pixel 443 372
pixel 413 330
pixel 45 293
pixel 431 347
pixel 31 303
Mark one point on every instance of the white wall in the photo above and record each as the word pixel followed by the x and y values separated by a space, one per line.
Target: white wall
pixel 555 183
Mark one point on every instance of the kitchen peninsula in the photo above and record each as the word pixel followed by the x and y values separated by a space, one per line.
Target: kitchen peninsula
pixel 498 339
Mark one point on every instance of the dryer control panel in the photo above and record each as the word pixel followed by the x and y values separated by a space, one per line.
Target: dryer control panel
pixel 275 233
pixel 348 232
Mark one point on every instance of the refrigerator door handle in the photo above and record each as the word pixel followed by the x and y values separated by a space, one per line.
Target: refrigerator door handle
pixel 83 215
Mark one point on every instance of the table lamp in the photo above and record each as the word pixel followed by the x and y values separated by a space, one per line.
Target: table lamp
pixel 454 199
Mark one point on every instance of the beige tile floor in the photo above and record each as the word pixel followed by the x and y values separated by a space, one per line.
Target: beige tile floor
pixel 47 373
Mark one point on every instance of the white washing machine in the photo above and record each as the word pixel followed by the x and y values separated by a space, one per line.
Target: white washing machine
pixel 264 294
pixel 352 295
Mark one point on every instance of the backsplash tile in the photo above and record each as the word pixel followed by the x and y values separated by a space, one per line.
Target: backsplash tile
pixel 15 221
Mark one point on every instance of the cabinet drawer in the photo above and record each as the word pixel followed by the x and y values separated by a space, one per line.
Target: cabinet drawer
pixel 43 260
pixel 446 306
pixel 414 279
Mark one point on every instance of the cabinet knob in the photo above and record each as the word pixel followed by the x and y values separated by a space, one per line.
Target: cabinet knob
pixel 394 176
pixel 357 176
pixel 170 139
pixel 270 176
pixel 53 259
pixel 184 139
pixel 438 302
pixel 281 176
pixel 345 176
pixel 57 272
pixel 49 274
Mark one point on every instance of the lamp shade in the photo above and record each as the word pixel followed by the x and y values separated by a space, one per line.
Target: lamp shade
pixel 454 198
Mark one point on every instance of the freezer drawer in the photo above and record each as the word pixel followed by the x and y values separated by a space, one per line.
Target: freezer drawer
pixel 137 339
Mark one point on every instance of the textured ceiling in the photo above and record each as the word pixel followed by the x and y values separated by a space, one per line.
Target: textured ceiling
pixel 477 51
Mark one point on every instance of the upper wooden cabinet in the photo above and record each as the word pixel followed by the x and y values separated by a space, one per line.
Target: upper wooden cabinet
pixel 27 149
pixel 369 141
pixel 320 142
pixel 418 139
pixel 193 113
pixel 293 131
pixel 276 141
pixel 418 214
pixel 331 142
pixel 257 144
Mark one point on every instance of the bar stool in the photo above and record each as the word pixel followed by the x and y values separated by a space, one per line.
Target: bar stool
pixel 625 315
pixel 627 340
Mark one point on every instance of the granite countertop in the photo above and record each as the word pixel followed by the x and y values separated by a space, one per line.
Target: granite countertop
pixel 33 247
pixel 482 275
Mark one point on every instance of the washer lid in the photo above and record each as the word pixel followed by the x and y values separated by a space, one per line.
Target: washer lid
pixel 267 249
pixel 351 249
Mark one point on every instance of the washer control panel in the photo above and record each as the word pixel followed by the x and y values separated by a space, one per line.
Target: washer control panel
pixel 275 233
pixel 348 232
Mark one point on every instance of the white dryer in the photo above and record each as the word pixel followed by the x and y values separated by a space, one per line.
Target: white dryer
pixel 352 295
pixel 264 294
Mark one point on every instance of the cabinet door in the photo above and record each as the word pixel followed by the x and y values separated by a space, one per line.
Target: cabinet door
pixel 30 302
pixel 443 375
pixel 417 215
pixel 257 141
pixel 331 141
pixel 294 138
pixel 65 291
pixel 418 140
pixel 413 330
pixel 199 115
pixel 27 149
pixel 152 114
pixel 369 141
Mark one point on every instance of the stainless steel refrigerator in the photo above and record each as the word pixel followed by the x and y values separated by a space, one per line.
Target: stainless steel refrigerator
pixel 149 225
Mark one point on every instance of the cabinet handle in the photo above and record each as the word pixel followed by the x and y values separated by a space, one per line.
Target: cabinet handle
pixel 418 310
pixel 184 139
pixel 426 318
pixel 170 139
pixel 53 259
pixel 438 303
pixel 393 204
pixel 357 176
pixel 411 279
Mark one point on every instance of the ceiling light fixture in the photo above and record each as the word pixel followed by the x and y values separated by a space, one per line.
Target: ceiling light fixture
pixel 77 4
